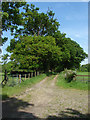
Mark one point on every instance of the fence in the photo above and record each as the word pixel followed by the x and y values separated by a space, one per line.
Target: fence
pixel 83 78
pixel 14 79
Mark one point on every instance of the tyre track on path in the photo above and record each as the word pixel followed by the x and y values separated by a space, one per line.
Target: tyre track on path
pixel 46 99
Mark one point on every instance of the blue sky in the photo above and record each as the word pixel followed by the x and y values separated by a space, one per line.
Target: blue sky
pixel 73 19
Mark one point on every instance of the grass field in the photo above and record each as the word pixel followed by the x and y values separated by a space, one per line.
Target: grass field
pixel 83 78
pixel 61 82
pixel 16 90
pixel 83 73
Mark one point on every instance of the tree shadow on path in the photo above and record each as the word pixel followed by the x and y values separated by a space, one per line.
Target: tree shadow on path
pixel 70 114
pixel 10 111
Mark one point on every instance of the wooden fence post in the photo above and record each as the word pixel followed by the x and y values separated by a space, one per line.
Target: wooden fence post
pixel 36 72
pixel 28 75
pixel 19 78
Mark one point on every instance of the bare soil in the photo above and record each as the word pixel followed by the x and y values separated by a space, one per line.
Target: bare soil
pixel 46 100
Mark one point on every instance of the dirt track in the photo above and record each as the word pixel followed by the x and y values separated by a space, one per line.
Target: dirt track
pixel 46 100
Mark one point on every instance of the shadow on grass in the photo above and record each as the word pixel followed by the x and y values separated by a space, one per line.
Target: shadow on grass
pixel 10 111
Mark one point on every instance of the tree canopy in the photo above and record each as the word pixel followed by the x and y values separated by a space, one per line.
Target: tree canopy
pixel 37 43
pixel 72 53
pixel 37 52
pixel 11 16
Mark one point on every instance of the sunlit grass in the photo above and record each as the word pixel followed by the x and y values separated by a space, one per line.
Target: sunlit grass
pixel 20 88
pixel 76 84
pixel 83 73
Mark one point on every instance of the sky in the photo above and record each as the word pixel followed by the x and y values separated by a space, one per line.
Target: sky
pixel 73 19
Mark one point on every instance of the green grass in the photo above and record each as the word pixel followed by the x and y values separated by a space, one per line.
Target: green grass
pixel 83 73
pixel 61 82
pixel 51 77
pixel 20 88
pixel 83 78
pixel 1 73
pixel 1 76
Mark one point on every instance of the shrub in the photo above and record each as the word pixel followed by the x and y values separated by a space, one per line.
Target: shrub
pixel 69 75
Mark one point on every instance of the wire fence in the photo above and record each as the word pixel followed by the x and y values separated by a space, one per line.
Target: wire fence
pixel 15 79
pixel 83 78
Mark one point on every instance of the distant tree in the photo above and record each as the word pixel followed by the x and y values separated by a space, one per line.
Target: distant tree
pixel 85 68
pixel 89 67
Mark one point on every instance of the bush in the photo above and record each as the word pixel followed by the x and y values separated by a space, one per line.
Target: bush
pixel 69 75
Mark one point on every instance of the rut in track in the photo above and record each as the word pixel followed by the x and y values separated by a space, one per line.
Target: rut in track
pixel 46 99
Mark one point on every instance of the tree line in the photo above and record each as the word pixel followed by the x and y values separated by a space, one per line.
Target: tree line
pixel 84 68
pixel 37 42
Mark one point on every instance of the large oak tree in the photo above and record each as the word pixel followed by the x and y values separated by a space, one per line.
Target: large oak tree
pixel 38 43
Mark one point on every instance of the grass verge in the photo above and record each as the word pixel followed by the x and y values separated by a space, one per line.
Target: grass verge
pixel 17 90
pixel 61 82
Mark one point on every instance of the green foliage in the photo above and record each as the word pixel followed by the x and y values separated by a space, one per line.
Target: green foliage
pixel 5 57
pixel 36 53
pixel 51 73
pixel 62 83
pixel 10 66
pixel 69 75
pixel 50 50
pixel 38 23
pixel 3 40
pixel 72 53
pixel 11 16
pixel 84 68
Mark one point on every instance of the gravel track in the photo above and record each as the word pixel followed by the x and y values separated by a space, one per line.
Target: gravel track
pixel 46 100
